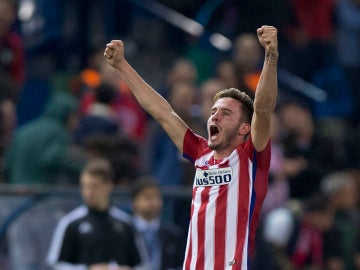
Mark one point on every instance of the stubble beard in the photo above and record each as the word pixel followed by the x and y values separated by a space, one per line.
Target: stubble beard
pixel 228 136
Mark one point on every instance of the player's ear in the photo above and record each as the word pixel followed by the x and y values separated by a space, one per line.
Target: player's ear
pixel 244 129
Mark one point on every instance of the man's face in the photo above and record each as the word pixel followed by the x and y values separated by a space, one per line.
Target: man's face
pixel 95 191
pixel 182 98
pixel 322 220
pixel 148 203
pixel 296 119
pixel 347 196
pixel 224 123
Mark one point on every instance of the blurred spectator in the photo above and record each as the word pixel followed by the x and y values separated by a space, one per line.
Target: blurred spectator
pixel 95 235
pixel 100 118
pixel 348 44
pixel 122 152
pixel 339 103
pixel 12 53
pixel 208 89
pixel 248 55
pixel 89 77
pixel 162 246
pixel 278 189
pixel 166 163
pixel 41 26
pixel 308 154
pixel 41 150
pixel 310 36
pixel 182 70
pixel 297 238
pixel 342 191
pixel 12 71
pixel 128 114
pixel 8 121
pixel 231 75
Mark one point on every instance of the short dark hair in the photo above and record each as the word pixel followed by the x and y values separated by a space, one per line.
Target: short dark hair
pixel 99 167
pixel 142 183
pixel 242 97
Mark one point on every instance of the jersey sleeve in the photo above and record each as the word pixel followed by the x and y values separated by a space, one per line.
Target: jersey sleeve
pixel 62 248
pixel 193 145
pixel 68 247
pixel 262 158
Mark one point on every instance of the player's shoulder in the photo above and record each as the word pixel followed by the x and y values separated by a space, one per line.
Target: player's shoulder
pixel 191 135
pixel 120 215
pixel 73 217
pixel 249 147
pixel 195 146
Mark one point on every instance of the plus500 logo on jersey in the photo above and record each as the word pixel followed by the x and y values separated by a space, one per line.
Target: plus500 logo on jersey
pixel 213 177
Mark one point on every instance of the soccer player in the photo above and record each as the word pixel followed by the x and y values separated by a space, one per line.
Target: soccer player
pixel 232 165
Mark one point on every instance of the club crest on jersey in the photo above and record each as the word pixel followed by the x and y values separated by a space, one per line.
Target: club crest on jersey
pixel 213 177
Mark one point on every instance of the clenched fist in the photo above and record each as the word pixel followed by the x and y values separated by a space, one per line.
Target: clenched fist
pixel 114 52
pixel 267 36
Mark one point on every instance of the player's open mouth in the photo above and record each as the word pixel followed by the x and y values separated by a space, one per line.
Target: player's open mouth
pixel 213 132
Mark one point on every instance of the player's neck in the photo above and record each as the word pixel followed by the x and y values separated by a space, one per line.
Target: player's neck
pixel 222 153
pixel 214 161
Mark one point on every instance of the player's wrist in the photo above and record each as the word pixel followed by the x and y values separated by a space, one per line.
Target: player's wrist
pixel 120 64
pixel 271 58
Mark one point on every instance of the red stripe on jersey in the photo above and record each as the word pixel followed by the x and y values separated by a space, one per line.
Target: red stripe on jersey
pixel 243 209
pixel 188 255
pixel 220 224
pixel 200 262
pixel 189 252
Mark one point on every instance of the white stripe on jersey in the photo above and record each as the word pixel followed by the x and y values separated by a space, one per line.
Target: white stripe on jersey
pixel 194 226
pixel 232 214
pixel 210 229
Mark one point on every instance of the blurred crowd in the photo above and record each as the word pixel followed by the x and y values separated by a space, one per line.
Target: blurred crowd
pixel 62 105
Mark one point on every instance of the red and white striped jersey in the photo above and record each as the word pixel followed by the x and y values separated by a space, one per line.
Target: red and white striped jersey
pixel 226 201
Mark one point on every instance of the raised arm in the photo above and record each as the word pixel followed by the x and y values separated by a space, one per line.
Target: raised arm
pixel 148 98
pixel 266 91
